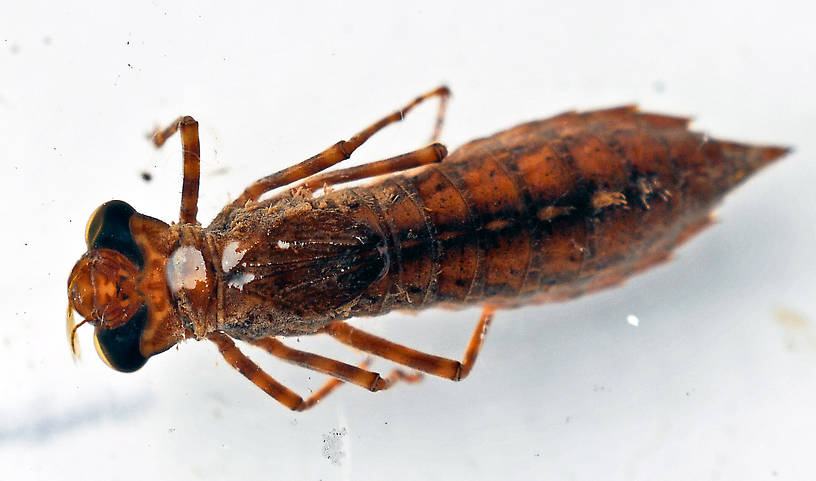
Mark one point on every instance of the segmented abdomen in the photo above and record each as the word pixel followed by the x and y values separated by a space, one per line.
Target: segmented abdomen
pixel 551 209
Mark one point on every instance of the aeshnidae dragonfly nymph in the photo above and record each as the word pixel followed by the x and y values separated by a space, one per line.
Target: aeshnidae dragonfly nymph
pixel 545 211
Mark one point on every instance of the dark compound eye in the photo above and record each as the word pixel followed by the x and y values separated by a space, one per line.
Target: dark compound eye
pixel 119 347
pixel 109 228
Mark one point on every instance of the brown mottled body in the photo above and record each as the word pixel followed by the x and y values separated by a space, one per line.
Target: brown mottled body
pixel 545 211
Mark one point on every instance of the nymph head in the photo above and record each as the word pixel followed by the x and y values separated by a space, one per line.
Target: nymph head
pixel 102 288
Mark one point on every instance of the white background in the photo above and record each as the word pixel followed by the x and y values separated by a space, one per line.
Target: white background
pixel 717 381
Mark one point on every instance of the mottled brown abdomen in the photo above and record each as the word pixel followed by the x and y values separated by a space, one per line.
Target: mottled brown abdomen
pixel 549 210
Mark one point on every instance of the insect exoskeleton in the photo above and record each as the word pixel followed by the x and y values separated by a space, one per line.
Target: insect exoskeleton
pixel 544 211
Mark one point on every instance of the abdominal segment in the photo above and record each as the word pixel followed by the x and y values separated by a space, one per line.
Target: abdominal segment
pixel 552 209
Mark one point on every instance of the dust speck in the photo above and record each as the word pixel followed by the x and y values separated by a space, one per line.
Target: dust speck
pixel 334 446
pixel 659 86
pixel 790 319
pixel 796 329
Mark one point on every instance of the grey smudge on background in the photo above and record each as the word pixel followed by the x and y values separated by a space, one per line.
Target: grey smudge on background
pixel 45 420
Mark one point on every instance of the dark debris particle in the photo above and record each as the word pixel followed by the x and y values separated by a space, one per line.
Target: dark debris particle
pixel 147 176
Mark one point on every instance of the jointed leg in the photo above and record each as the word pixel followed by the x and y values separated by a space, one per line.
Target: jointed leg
pixel 340 371
pixel 428 363
pixel 427 155
pixel 444 95
pixel 254 373
pixel 337 152
pixel 333 383
pixel 192 158
pixel 400 375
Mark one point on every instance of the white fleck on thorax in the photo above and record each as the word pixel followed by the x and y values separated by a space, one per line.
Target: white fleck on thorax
pixel 185 269
pixel 231 256
pixel 240 280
